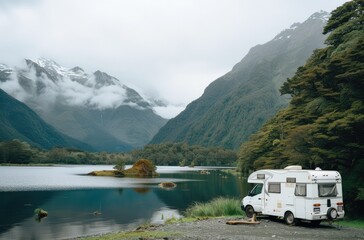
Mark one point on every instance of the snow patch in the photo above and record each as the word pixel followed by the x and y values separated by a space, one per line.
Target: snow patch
pixel 322 15
pixel 294 26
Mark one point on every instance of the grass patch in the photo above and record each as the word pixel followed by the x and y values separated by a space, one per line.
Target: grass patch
pixel 183 220
pixel 134 235
pixel 354 223
pixel 218 207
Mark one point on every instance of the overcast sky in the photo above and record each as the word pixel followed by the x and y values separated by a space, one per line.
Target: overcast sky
pixel 171 49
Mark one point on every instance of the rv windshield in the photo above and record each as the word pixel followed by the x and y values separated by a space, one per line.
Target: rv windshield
pixel 256 190
pixel 327 190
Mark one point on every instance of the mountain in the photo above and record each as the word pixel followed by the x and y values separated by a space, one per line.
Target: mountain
pixel 17 121
pixel 97 109
pixel 323 126
pixel 237 104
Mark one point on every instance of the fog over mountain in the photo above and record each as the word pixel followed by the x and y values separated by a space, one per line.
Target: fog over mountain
pixel 46 82
pixel 97 108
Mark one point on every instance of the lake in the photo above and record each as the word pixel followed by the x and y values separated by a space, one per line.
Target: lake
pixel 80 205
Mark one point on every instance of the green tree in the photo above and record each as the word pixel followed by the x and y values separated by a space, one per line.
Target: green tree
pixel 15 151
pixel 120 164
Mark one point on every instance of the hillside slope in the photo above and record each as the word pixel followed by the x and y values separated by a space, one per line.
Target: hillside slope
pixel 17 121
pixel 324 124
pixel 238 103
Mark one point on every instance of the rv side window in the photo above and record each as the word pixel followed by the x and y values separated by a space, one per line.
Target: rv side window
pixel 257 189
pixel 300 189
pixel 291 180
pixel 274 187
pixel 327 190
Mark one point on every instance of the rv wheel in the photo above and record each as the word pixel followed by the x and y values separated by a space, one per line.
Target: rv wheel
pixel 289 218
pixel 249 211
pixel 331 214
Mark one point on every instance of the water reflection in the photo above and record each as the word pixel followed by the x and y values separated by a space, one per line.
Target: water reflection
pixel 93 210
pixel 162 215
pixel 118 209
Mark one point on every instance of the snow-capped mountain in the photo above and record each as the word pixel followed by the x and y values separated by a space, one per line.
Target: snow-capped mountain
pixel 44 77
pixel 316 17
pixel 88 107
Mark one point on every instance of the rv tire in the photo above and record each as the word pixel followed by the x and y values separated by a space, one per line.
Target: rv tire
pixel 332 214
pixel 249 211
pixel 289 218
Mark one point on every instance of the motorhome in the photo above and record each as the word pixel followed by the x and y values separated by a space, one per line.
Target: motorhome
pixel 295 194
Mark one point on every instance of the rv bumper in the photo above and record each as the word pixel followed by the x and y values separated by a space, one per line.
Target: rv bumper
pixel 324 216
pixel 245 201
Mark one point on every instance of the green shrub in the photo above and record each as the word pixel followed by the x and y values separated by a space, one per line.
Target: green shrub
pixel 217 207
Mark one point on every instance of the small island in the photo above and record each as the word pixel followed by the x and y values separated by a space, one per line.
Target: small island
pixel 142 168
pixel 167 185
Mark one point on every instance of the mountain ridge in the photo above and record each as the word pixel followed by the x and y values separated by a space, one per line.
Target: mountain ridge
pixel 225 115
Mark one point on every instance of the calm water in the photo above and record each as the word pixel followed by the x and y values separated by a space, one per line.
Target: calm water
pixel 72 198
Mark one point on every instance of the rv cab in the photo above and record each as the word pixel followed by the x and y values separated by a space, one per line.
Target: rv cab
pixel 295 194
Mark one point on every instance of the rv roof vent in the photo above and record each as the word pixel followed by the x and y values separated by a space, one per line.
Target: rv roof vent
pixel 318 169
pixel 293 167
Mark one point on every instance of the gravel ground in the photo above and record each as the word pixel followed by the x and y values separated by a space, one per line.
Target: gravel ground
pixel 267 229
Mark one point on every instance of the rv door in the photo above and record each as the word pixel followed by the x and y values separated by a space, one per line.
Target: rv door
pixel 256 197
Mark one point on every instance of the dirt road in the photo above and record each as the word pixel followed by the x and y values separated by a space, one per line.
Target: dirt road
pixel 267 229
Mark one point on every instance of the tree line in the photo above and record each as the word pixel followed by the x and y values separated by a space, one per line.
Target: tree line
pixel 20 152
pixel 167 154
pixel 183 154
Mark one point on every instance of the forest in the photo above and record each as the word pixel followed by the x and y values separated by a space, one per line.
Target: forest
pixel 19 152
pixel 324 122
pixel 167 154
pixel 182 154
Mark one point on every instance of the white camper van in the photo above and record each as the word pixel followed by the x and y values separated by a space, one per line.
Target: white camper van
pixel 295 194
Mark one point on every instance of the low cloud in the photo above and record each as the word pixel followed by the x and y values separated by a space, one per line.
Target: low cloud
pixel 169 49
pixel 64 90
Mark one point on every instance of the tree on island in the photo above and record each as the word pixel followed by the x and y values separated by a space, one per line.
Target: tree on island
pixel 142 168
pixel 120 164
